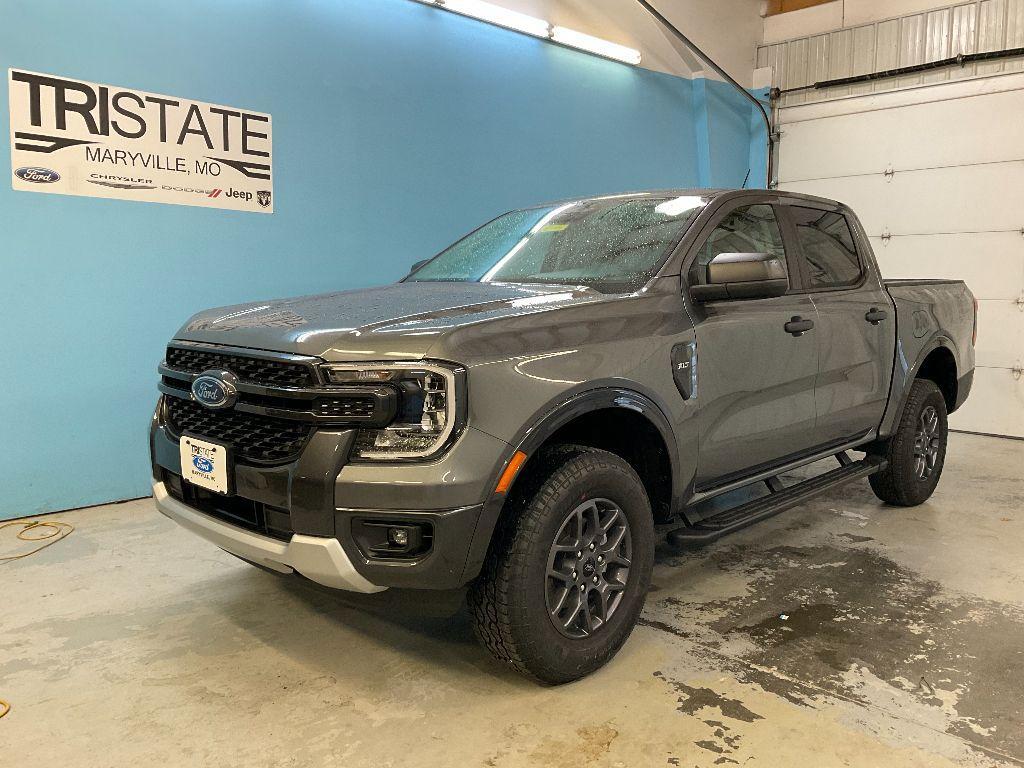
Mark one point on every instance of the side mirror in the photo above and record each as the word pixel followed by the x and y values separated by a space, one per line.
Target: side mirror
pixel 743 276
pixel 417 265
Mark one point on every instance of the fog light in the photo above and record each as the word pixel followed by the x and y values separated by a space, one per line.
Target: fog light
pixel 392 539
pixel 399 537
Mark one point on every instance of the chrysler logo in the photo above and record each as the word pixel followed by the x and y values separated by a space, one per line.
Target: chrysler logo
pixel 215 389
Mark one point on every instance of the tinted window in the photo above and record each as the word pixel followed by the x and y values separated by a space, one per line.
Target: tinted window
pixel 751 229
pixel 828 247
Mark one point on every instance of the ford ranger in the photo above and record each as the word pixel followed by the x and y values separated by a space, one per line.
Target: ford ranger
pixel 524 411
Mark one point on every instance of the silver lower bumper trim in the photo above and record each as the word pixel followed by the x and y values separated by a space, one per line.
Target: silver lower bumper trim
pixel 317 558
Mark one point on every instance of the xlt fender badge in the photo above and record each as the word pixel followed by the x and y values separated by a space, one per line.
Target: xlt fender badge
pixel 684 369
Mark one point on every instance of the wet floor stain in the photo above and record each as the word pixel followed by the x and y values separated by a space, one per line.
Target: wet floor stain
pixel 853 538
pixel 702 701
pixel 663 627
pixel 831 620
pixel 590 745
pixel 693 700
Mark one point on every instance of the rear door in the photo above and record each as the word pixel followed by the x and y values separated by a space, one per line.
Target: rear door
pixel 856 320
pixel 755 379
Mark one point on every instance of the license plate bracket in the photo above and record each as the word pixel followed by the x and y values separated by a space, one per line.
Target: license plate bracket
pixel 206 464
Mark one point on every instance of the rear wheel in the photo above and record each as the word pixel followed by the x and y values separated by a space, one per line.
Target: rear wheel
pixel 917 450
pixel 569 567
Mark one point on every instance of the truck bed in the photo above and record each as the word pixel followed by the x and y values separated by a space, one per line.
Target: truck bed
pixel 930 314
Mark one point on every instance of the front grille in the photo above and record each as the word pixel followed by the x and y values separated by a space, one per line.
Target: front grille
pixel 252 370
pixel 253 438
pixel 351 407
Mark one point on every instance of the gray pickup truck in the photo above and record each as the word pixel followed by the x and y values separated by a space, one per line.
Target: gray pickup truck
pixel 525 410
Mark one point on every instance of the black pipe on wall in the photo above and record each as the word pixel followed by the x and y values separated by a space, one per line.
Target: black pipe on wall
pixel 960 60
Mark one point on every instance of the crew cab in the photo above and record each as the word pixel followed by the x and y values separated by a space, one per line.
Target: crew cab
pixel 525 411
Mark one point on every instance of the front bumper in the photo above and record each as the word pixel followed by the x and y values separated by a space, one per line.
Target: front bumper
pixel 325 499
pixel 317 558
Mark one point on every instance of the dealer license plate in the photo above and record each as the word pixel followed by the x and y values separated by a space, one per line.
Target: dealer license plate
pixel 205 464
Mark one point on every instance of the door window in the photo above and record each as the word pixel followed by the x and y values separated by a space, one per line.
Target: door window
pixel 750 229
pixel 828 248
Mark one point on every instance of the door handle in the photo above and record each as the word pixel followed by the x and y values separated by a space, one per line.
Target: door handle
pixel 876 315
pixel 798 326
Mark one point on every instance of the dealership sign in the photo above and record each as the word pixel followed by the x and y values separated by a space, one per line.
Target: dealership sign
pixel 78 138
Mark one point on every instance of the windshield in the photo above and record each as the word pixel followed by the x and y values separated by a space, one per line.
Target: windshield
pixel 613 244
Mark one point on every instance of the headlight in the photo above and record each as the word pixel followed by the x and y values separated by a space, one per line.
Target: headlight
pixel 428 412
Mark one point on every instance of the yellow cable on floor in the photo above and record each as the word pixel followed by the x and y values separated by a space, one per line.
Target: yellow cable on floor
pixel 59 531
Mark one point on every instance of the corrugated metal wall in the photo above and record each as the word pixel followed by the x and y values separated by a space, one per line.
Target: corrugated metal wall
pixel 983 25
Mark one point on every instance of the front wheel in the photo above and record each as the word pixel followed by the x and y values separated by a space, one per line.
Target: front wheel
pixel 569 568
pixel 916 452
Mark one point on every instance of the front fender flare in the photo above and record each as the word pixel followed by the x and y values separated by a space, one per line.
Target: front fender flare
pixel 534 435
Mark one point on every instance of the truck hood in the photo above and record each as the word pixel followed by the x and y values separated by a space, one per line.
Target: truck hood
pixel 400 321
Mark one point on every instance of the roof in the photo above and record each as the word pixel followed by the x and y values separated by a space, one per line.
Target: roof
pixel 710 193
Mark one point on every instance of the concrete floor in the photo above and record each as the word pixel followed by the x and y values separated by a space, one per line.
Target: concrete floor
pixel 903 645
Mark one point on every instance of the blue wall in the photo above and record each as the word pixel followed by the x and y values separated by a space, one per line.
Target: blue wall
pixel 397 127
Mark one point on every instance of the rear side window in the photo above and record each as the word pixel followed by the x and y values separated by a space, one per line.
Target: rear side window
pixel 751 229
pixel 827 247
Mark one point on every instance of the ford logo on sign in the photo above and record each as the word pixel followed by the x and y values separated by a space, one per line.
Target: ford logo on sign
pixel 37 175
pixel 202 464
pixel 215 389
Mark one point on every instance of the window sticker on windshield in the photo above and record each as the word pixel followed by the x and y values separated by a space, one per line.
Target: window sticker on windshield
pixel 553 227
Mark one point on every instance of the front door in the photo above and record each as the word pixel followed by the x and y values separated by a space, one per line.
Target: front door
pixel 755 377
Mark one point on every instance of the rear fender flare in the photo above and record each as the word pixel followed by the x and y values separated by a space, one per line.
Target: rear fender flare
pixel 901 388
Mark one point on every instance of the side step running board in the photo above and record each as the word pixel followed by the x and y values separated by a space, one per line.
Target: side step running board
pixel 779 500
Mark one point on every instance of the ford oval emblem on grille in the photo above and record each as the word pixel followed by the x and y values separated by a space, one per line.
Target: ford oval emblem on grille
pixel 215 389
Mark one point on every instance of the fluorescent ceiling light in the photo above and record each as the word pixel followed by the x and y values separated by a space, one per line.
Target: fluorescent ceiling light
pixel 596 45
pixel 549 298
pixel 521 22
pixel 522 243
pixel 495 14
pixel 680 205
pixel 489 275
pixel 625 194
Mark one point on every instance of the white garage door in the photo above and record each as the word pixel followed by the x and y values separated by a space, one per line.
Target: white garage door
pixel 937 176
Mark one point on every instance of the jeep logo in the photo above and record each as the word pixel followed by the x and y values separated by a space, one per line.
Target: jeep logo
pixel 37 175
pixel 239 194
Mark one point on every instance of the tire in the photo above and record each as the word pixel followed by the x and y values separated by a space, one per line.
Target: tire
pixel 916 452
pixel 513 598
